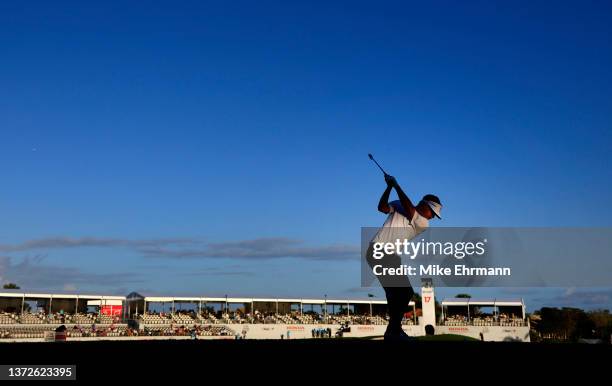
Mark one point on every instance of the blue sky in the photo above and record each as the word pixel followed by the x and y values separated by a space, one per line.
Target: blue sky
pixel 129 129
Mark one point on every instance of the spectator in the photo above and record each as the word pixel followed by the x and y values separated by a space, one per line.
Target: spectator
pixel 429 330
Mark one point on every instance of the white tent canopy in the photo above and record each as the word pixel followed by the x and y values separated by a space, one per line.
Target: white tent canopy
pixel 170 299
pixel 28 295
pixel 104 302
pixel 483 302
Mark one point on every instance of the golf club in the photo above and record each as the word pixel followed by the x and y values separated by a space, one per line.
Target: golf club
pixel 381 169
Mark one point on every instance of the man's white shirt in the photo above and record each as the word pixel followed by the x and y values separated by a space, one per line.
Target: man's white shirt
pixel 399 227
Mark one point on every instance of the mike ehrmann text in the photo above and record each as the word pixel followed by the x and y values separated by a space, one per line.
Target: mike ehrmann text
pixel 436 270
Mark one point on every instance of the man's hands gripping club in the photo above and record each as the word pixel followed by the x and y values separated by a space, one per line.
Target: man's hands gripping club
pixel 390 180
pixel 383 204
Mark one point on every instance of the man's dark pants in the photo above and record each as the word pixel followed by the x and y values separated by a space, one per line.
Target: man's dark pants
pixel 398 290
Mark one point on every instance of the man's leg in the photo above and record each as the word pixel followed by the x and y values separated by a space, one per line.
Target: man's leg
pixel 398 291
pixel 397 304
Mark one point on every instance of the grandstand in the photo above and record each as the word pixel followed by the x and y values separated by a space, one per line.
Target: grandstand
pixel 254 317
pixel 487 312
pixel 32 316
pixel 485 319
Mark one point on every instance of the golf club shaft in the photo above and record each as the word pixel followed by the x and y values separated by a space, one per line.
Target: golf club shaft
pixel 380 167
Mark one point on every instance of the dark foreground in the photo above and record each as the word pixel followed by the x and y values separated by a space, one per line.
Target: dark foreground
pixel 341 359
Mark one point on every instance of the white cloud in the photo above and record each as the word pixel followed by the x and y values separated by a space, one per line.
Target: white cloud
pixel 175 248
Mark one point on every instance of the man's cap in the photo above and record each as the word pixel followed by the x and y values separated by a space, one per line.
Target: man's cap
pixel 434 204
pixel 435 207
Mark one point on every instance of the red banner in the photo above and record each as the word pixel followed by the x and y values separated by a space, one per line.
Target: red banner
pixel 111 310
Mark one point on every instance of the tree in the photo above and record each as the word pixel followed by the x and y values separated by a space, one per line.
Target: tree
pixel 572 324
pixel 464 296
pixel 10 286
pixel 602 320
pixel 418 302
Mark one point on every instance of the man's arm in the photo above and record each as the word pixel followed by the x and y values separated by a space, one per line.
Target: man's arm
pixel 383 203
pixel 406 203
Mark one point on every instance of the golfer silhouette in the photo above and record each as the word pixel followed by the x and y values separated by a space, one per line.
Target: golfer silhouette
pixel 404 222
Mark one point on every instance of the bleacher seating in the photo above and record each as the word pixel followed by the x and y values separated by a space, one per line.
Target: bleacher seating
pixel 151 318
pixel 182 318
pixel 484 320
pixel 36 331
pixel 456 320
pixel 83 318
pixel 29 318
pixel 8 318
pixel 104 319
pixel 215 331
pixel 207 318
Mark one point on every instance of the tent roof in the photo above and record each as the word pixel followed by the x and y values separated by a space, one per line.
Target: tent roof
pixel 168 299
pixel 481 302
pixel 31 295
pixel 509 302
